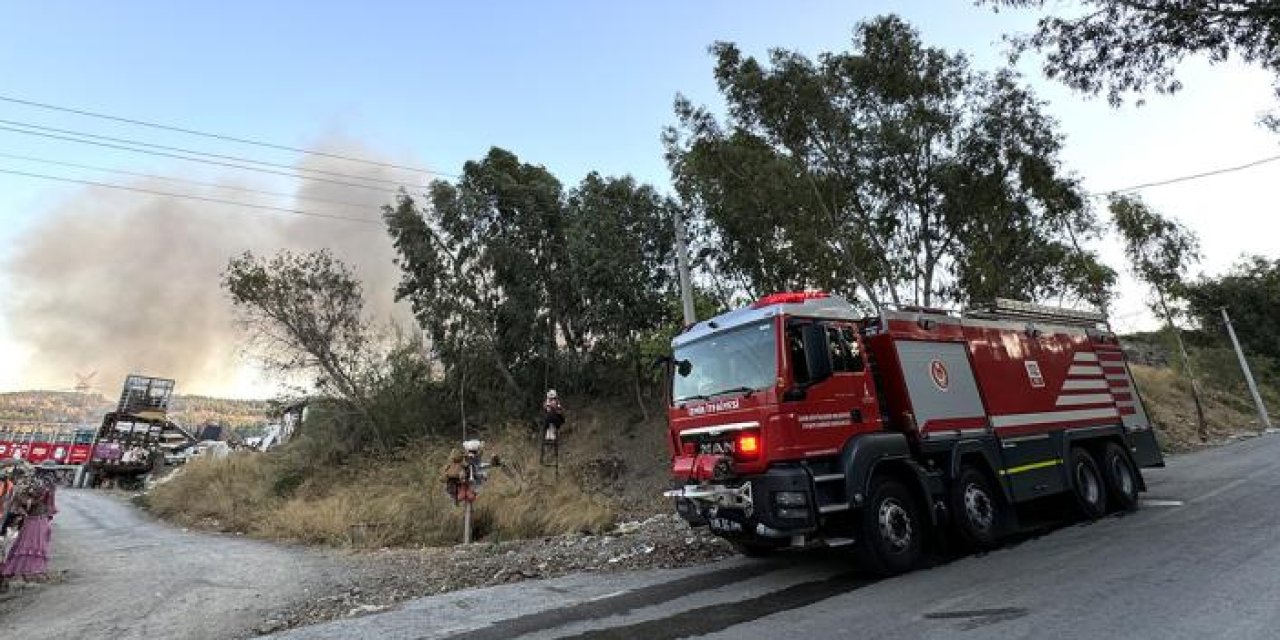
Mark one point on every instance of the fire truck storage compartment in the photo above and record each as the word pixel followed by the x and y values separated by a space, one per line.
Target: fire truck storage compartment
pixel 941 390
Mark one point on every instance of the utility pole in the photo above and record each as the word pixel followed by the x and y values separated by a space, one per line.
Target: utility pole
pixel 466 522
pixel 1248 375
pixel 682 266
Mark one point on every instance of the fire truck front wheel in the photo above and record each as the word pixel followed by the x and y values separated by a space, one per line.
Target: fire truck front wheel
pixel 977 508
pixel 892 530
pixel 1087 484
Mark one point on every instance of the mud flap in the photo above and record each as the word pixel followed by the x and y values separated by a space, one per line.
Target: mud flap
pixel 1145 448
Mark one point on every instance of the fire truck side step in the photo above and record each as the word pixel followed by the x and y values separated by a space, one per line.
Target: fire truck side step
pixel 832 508
pixel 839 542
pixel 828 477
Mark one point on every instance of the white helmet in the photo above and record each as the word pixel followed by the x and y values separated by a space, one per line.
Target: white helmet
pixel 551 394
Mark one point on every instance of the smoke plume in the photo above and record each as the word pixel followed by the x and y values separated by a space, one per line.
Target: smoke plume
pixel 121 282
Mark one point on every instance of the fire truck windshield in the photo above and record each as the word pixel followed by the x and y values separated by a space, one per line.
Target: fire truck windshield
pixel 742 359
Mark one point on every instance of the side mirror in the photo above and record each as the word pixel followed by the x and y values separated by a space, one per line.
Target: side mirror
pixel 684 367
pixel 817 352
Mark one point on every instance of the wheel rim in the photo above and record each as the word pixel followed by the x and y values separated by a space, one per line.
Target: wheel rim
pixel 978 507
pixel 895 525
pixel 1124 478
pixel 1087 480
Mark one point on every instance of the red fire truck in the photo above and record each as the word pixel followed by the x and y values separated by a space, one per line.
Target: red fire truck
pixel 797 421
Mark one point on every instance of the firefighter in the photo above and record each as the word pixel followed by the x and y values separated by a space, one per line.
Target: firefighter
pixel 552 415
pixel 452 475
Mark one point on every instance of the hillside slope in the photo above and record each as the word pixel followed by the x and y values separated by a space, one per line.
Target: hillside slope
pixel 69 406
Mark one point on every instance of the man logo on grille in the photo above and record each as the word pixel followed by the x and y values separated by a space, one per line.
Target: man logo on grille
pixel 938 372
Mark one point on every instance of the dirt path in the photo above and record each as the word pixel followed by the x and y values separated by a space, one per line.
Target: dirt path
pixel 126 576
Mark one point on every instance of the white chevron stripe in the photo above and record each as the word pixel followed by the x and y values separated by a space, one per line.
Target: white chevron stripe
pixel 1093 398
pixel 1081 385
pixel 1085 356
pixel 1084 370
pixel 1047 417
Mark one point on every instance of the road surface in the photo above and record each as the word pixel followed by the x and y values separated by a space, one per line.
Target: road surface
pixel 1201 559
pixel 127 576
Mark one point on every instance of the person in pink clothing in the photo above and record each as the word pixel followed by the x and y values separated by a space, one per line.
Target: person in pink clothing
pixel 33 502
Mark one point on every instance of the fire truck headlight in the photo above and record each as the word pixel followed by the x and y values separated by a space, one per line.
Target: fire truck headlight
pixel 792 505
pixel 790 498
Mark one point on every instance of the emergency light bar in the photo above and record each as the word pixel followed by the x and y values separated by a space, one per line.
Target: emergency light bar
pixel 789 297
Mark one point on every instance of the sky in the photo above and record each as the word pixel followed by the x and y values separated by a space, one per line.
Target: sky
pixel 574 85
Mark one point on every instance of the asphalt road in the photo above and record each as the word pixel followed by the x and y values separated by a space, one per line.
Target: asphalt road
pixel 1200 559
pixel 126 576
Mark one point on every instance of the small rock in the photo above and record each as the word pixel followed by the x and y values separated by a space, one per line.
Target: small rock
pixel 270 626
pixel 366 609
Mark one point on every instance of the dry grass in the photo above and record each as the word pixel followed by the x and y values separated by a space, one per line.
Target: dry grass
pixel 235 493
pixel 607 468
pixel 1167 396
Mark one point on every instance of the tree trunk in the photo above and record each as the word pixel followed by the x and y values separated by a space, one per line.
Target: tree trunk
pixel 1201 430
pixel 638 375
pixel 505 372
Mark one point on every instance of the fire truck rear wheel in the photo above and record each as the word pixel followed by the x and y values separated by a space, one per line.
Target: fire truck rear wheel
pixel 977 508
pixel 1087 484
pixel 892 531
pixel 1121 479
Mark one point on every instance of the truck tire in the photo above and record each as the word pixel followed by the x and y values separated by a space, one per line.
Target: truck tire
pixel 892 530
pixel 1087 484
pixel 977 508
pixel 1120 477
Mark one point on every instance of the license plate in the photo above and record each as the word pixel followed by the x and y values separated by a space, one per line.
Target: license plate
pixel 723 524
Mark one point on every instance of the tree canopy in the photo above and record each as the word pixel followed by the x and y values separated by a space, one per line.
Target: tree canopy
pixel 1123 47
pixel 893 172
pixel 1159 250
pixel 304 313
pixel 1251 293
pixel 523 284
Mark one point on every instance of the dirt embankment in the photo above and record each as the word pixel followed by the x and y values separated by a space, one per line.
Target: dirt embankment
pixel 1166 394
pixel 612 468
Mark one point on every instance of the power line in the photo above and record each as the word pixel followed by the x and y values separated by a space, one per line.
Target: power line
pixel 200 160
pixel 178 180
pixel 217 136
pixel 107 185
pixel 1194 176
pixel 219 156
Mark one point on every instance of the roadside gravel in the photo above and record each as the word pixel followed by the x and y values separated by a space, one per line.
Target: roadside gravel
pixel 377 580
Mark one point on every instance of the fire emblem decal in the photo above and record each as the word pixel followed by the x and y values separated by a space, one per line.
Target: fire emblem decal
pixel 938 373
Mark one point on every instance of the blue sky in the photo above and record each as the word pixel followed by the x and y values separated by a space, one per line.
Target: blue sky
pixel 577 86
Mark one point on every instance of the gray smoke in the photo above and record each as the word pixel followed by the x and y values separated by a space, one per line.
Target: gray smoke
pixel 120 282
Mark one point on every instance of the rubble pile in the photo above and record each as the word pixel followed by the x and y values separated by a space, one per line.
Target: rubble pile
pixel 379 579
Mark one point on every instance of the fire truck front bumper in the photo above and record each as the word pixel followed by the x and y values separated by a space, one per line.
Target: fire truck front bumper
pixel 777 504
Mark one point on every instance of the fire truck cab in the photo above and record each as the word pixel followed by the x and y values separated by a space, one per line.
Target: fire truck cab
pixel 797 421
